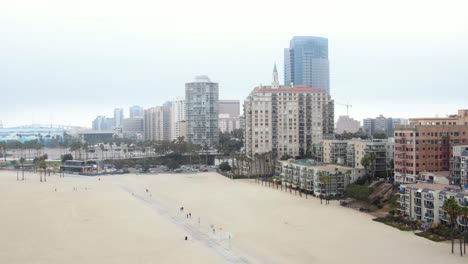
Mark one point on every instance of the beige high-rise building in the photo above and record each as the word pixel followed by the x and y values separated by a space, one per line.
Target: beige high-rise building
pixel 287 120
pixel 178 114
pixel 157 123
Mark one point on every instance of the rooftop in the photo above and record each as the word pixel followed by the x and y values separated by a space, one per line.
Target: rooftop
pixel 433 186
pixel 285 89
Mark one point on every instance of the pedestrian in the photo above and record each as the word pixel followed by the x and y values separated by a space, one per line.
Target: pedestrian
pixel 190 215
pixel 186 238
pixel 187 216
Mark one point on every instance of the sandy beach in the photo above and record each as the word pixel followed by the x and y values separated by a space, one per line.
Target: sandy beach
pixel 115 220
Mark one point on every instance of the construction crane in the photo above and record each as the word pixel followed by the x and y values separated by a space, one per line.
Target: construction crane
pixel 347 107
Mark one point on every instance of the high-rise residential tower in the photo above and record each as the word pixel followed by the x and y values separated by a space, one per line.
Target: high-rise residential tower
pixel 201 104
pixel 287 120
pixel 157 123
pixel 118 117
pixel 306 62
pixel 178 115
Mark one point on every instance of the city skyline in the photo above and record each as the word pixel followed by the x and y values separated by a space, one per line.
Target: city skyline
pixel 130 58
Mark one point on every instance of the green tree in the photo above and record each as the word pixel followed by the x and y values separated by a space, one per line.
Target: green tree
pixel 66 157
pixel 224 166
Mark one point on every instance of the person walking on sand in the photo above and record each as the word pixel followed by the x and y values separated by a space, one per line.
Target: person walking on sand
pixel 186 238
pixel 190 215
pixel 187 216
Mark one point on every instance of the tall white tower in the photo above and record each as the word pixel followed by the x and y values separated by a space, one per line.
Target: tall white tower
pixel 275 83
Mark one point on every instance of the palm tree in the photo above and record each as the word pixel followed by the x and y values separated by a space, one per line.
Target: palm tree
pixel 324 180
pixel 464 212
pixel 101 146
pixel 3 147
pixel 453 210
pixel 22 160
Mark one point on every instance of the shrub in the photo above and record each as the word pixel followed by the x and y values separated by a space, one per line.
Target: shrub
pixel 224 166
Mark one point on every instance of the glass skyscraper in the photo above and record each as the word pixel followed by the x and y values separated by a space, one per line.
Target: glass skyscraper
pixel 306 62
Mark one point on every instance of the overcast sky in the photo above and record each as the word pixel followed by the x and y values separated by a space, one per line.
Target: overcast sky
pixel 68 61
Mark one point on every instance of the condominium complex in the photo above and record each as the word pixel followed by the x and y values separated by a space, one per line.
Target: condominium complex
pixel 287 120
pixel 425 202
pixel 347 124
pixel 351 152
pixel 426 145
pixel 306 62
pixel 201 104
pixel 307 175
pixel 178 114
pixel 118 117
pixel 157 123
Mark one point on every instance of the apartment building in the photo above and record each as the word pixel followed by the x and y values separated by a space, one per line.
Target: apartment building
pixel 287 120
pixel 305 175
pixel 334 151
pixel 459 165
pixel 426 145
pixel 178 115
pixel 351 152
pixel 157 123
pixel 201 103
pixel 425 202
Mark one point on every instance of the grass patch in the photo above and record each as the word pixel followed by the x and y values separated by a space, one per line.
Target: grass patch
pixel 432 236
pixel 401 225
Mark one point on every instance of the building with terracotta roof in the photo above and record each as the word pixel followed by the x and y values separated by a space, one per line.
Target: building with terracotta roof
pixel 287 120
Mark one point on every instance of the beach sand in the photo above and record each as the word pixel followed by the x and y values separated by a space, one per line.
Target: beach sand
pixel 115 220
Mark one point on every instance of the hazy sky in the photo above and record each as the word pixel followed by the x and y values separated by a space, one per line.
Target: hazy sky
pixel 68 61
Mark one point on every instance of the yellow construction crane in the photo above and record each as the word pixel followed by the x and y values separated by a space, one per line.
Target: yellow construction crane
pixel 347 107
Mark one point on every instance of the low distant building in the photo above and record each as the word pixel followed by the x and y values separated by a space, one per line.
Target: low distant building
pixel 382 124
pixel 226 123
pixel 79 167
pixel 24 134
pixel 306 176
pixel 347 124
pixel 97 136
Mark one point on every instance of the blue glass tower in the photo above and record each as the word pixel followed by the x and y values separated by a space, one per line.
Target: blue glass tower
pixel 306 62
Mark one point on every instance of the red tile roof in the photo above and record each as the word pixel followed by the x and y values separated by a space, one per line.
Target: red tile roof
pixel 295 89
